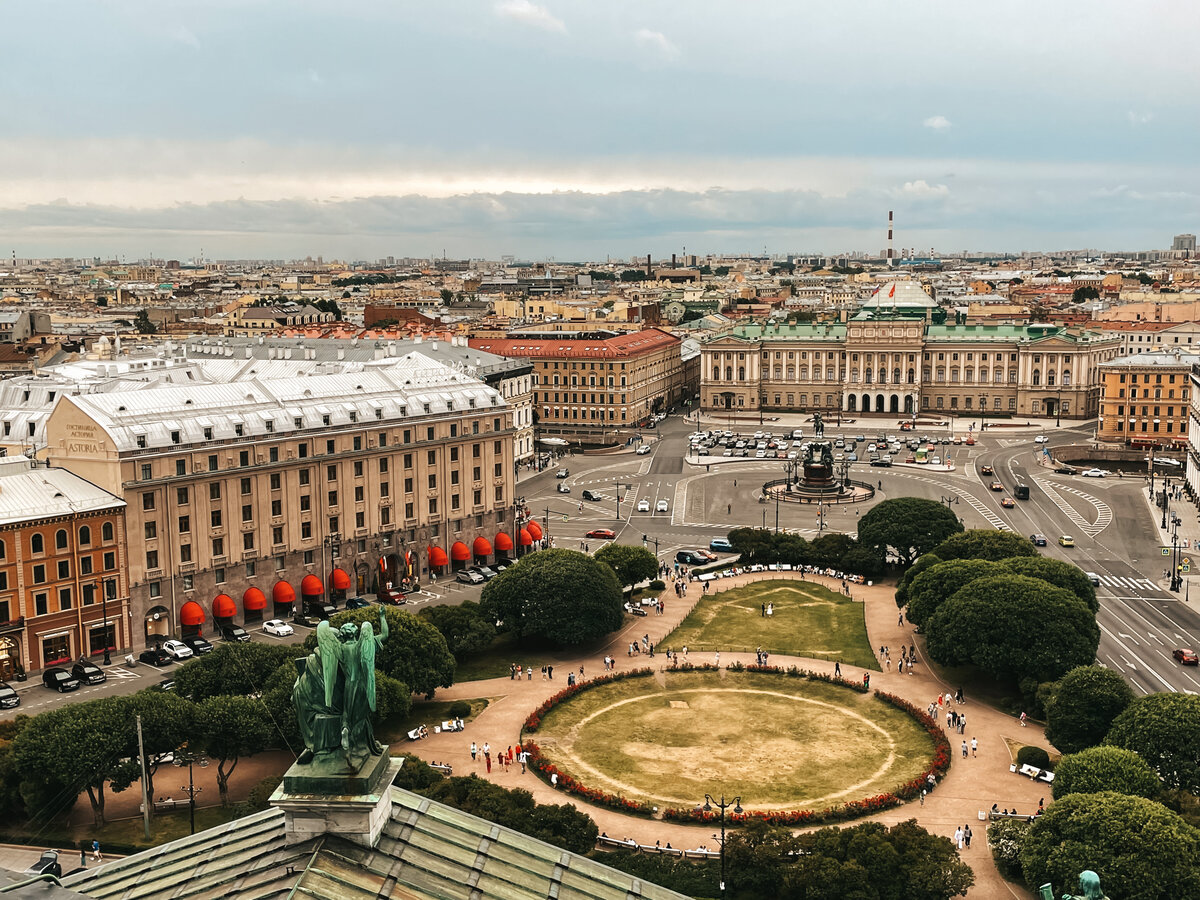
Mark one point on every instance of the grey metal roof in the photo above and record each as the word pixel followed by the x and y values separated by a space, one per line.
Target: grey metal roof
pixel 1168 358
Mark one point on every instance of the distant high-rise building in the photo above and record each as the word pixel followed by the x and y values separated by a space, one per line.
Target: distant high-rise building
pixel 1184 242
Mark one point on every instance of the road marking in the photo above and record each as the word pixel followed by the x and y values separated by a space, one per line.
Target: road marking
pixel 1103 511
pixel 994 520
pixel 118 672
pixel 1148 668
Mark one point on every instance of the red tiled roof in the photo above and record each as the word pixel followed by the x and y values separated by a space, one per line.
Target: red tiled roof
pixel 633 343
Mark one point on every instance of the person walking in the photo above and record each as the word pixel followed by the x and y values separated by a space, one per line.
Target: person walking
pixel 967 836
pixel 958 837
pixel 96 854
pixel 837 669
pixel 474 751
pixel 1022 718
pixel 974 747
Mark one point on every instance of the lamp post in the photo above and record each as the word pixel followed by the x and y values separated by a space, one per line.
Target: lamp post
pixel 185 756
pixel 1058 409
pixel 709 803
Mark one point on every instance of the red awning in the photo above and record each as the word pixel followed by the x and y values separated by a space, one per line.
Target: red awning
pixel 503 542
pixel 191 613
pixel 224 607
pixel 283 593
pixel 254 599
pixel 311 586
pixel 459 552
pixel 526 540
pixel 341 581
pixel 535 530
pixel 437 557
pixel 482 547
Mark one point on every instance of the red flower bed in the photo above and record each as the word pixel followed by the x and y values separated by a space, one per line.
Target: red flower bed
pixel 543 767
pixel 534 720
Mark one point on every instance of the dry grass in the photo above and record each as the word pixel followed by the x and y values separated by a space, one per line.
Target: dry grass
pixel 809 620
pixel 778 743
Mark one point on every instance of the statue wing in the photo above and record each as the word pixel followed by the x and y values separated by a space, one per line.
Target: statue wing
pixel 330 650
pixel 366 659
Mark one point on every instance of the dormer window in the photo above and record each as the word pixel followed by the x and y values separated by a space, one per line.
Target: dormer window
pixel 174 437
pixel 298 422
pixel 325 420
pixel 239 430
pixel 141 441
pixel 208 434
pixel 270 425
pixel 426 407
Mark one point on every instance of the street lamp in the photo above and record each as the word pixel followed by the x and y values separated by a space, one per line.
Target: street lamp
pixel 185 756
pixel 709 803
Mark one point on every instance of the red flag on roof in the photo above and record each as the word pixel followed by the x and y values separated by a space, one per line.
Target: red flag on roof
pixel 892 292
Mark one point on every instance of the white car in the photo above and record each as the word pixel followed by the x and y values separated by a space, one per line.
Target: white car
pixel 277 627
pixel 1041 439
pixel 177 649
pixel 643 450
pixel 643 506
pixel 1093 473
pixel 660 506
pixel 760 454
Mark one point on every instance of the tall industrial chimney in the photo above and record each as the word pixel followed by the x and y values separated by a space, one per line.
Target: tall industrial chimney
pixel 649 268
pixel 891 253
pixel 672 260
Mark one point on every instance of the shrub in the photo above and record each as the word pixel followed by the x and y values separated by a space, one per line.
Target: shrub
pixel 658 585
pixel 1005 838
pixel 261 792
pixel 458 709
pixel 1033 756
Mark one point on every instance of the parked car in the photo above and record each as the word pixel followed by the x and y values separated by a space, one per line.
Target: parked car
pixel 1039 540
pixel 9 698
pixel 387 597
pixel 278 627
pixel 199 645
pixel 154 656
pixel 643 505
pixel 643 449
pixel 634 610
pixel 721 545
pixel 177 649
pixel 167 684
pixel 234 633
pixel 466 576
pixel 603 534
pixel 661 506
pixel 306 621
pixel 1007 503
pixel 60 679
pixel 1186 657
pixel 1094 473
pixel 487 572
pixel 592 495
pixel 562 473
pixel 360 602
pixel 1066 541
pixel 88 673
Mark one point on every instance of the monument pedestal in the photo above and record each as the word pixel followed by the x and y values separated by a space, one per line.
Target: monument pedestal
pixel 327 795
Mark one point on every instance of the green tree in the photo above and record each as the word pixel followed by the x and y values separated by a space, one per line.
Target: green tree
pixel 830 549
pixel 906 527
pixel 168 720
pixel 143 324
pixel 238 669
pixel 1164 729
pixel 447 296
pixel 466 630
pixel 863 562
pixel 1099 769
pixel 631 565
pixel 980 543
pixel 1014 627
pixel 414 653
pixel 1141 848
pixel 1084 704
pixel 940 582
pixel 1086 292
pixel 924 561
pixel 721 271
pixel 559 596
pixel 634 275
pixel 1057 572
pixel 229 728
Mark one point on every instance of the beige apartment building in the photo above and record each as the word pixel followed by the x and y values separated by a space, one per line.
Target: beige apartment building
pixel 1146 399
pixel 289 487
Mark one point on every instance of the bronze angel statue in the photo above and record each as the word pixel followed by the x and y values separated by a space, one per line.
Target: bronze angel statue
pixel 334 694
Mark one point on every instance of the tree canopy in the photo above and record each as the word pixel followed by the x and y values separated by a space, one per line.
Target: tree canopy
pixel 1012 626
pixel 985 543
pixel 1084 704
pixel 228 728
pixel 924 561
pixel 466 630
pixel 560 596
pixel 630 564
pixel 1164 729
pixel 1098 769
pixel 906 527
pixel 1057 572
pixel 240 668
pixel 1140 847
pixel 938 583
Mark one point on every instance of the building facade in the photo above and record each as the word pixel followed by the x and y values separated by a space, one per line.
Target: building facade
pixel 592 380
pixel 896 362
pixel 63 586
pixel 1146 399
pixel 256 486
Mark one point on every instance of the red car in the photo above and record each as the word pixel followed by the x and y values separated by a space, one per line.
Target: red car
pixel 603 534
pixel 997 486
pixel 1186 657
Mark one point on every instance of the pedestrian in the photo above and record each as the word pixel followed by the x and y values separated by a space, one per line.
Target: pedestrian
pixel 901 622
pixel 1022 718
pixel 96 854
pixel 923 796
pixel 487 757
pixel 474 751
pixel 550 672
pixel 967 836
pixel 964 749
pixel 529 673
pixel 887 662
pixel 554 780
pixel 764 610
pixel 837 669
pixel 958 837
pixel 974 746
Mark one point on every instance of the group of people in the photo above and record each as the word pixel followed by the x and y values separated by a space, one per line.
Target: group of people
pixel 504 758
pixel 680 587
pixel 636 648
pixel 514 672
pixel 962 837
pixel 908 659
pixel 760 656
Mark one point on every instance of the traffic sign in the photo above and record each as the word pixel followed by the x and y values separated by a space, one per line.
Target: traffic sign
pixel 1166 551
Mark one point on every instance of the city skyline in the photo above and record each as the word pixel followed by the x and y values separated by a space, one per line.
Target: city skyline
pixel 255 129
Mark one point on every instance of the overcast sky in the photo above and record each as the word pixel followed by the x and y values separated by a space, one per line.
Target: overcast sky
pixel 580 129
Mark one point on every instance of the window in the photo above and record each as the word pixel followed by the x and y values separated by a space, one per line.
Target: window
pixel 248 513
pixel 41 605
pixel 180 467
pixel 64 598
pixel 330 447
pixel 181 496
pixel 358 493
pixel 359 520
pixel 60 539
pixel 37 543
pixel 431 458
pixel 148 500
pixel 273 453
pixel 276 507
pixel 85 538
pixel 453 454
pixel 64 569
pixel 308 559
pixel 151 530
pixel 384 488
pixel 146 476
pixel 245 486
pixel 275 481
pixel 251 569
pixel 212 463
pixel 305 502
pixel 332 498
pixel 277 535
pixel 208 434
pixel 383 465
pixel 219 574
pixel 151 559
pixel 331 473
pixel 306 530
pixel 304 476
pixel 189 582
pixel 432 481
pixel 85 565
pixel 248 540
pixel 215 518
pixel 358 442
pixel 214 491
pixel 110 561
pixel 358 469
pixel 302 451
pixel 89 594
pixel 244 458
pixel 185 552
pixel 385 515
pixel 408 485
pixel 185 524
pixel 333 530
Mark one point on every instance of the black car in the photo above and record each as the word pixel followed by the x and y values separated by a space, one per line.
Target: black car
pixel 689 558
pixel 155 656
pixel 1066 470
pixel 591 495
pixel 198 645
pixel 357 603
pixel 59 679
pixel 8 697
pixel 882 463
pixel 234 633
pixel 167 684
pixel 88 673
pixel 306 621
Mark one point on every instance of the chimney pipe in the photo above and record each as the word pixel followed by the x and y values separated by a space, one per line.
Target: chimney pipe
pixel 891 257
pixel 649 270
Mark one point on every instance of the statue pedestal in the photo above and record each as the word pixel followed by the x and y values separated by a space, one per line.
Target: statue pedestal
pixel 328 796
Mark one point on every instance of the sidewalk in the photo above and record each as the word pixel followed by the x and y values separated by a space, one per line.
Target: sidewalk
pixel 1188 533
pixel 969 788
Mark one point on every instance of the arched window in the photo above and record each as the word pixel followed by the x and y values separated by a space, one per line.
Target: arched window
pixel 60 539
pixel 1066 380
pixel 728 373
pixel 912 376
pixel 895 376
pixel 1050 378
pixel 867 376
pixel 3 549
pixel 1037 376
pixel 716 376
pixel 741 373
pixel 36 543
pixel 106 531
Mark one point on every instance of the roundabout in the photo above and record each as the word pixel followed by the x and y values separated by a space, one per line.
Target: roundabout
pixel 781 743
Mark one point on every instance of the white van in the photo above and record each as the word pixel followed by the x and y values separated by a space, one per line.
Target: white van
pixel 797 434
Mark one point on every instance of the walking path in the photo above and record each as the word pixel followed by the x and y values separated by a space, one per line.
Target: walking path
pixel 971 786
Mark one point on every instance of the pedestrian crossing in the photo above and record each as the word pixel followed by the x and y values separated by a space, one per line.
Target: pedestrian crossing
pixel 1118 583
